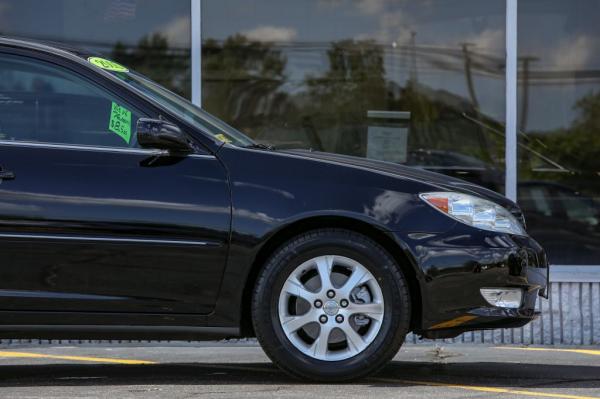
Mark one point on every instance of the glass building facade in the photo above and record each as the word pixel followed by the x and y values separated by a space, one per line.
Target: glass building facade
pixel 421 83
pixel 150 36
pixel 559 126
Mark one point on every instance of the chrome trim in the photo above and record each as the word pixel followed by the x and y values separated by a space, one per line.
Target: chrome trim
pixel 142 151
pixel 79 147
pixel 110 239
pixel 58 295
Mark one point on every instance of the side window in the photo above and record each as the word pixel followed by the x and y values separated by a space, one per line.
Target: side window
pixel 42 102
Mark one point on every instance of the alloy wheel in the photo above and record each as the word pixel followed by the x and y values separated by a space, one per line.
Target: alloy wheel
pixel 331 308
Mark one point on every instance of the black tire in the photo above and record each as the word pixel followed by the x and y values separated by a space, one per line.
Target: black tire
pixel 285 260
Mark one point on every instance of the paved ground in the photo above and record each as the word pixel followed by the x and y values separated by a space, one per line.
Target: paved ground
pixel 455 371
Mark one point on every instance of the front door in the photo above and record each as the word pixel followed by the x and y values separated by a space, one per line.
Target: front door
pixel 88 220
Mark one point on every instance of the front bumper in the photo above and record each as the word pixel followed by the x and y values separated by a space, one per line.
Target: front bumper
pixel 453 266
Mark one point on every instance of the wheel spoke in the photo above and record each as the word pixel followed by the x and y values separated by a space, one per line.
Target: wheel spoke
pixel 358 277
pixel 324 265
pixel 319 347
pixel 294 323
pixel 354 340
pixel 294 287
pixel 300 286
pixel 373 310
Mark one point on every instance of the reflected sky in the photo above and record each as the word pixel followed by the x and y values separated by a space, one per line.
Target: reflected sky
pixel 553 35
pixel 559 42
pixel 319 20
pixel 557 35
pixel 304 31
pixel 150 36
pixel 97 21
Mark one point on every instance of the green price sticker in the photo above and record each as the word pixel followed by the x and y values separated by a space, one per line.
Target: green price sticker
pixel 223 138
pixel 107 64
pixel 120 122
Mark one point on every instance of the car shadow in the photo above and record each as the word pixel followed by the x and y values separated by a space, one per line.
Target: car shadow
pixel 490 374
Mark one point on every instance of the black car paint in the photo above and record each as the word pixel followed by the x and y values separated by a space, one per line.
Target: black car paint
pixel 300 186
pixel 112 234
pixel 97 251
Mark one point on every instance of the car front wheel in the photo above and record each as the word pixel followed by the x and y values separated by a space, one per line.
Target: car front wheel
pixel 331 305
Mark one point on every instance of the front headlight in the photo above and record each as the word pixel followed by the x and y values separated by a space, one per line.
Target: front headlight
pixel 474 211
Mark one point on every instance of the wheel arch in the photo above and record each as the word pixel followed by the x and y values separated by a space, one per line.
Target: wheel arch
pixel 400 255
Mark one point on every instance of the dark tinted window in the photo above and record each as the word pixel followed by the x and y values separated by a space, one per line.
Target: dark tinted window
pixel 42 102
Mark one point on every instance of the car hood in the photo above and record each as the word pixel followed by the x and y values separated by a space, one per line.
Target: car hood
pixel 408 172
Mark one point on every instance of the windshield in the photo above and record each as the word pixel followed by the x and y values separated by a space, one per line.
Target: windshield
pixel 185 109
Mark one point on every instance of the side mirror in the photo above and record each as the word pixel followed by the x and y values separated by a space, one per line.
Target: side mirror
pixel 162 135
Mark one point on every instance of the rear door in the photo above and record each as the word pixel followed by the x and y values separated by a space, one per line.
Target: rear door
pixel 88 220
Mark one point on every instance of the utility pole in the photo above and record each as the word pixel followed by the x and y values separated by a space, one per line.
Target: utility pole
pixel 525 85
pixel 413 58
pixel 469 76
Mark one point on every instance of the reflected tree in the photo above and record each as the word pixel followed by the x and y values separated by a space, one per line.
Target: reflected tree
pixel 356 81
pixel 240 84
pixel 576 147
pixel 153 57
pixel 340 98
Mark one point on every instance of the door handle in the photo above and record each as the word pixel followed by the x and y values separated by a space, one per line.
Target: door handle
pixel 6 174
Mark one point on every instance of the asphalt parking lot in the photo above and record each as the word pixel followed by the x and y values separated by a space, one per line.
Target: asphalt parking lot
pixel 225 371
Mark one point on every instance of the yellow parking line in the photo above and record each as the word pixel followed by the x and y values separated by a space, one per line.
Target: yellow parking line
pixel 581 351
pixel 487 389
pixel 73 358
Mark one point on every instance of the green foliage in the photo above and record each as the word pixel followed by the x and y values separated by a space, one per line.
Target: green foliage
pixel 240 58
pixel 238 76
pixel 578 147
pixel 354 83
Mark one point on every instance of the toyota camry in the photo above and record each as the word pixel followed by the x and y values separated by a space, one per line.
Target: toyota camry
pixel 128 213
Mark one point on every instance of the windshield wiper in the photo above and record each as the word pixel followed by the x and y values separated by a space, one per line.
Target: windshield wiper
pixel 260 146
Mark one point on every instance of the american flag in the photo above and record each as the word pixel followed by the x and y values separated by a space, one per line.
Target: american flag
pixel 120 10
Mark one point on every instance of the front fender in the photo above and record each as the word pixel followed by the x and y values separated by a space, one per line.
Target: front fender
pixel 271 191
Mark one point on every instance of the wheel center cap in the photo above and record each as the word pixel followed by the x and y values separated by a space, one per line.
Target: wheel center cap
pixel 331 308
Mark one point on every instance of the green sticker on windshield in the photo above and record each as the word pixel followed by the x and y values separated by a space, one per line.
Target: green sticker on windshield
pixel 223 138
pixel 107 64
pixel 120 122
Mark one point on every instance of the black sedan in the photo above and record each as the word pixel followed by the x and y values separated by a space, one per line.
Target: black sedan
pixel 128 213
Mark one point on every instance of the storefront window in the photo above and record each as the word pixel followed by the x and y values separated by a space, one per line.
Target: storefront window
pixel 152 37
pixel 559 123
pixel 417 83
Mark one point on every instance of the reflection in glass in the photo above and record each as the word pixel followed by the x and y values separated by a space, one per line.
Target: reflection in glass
pixel 152 37
pixel 559 119
pixel 418 83
pixel 43 102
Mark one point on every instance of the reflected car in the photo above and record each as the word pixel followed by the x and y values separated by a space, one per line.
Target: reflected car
pixel 455 164
pixel 128 213
pixel 564 220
